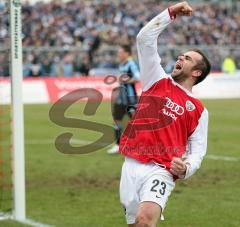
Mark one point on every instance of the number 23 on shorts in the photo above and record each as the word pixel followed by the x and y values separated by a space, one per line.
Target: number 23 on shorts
pixel 159 187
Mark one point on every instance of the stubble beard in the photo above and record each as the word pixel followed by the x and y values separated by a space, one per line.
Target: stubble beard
pixel 181 77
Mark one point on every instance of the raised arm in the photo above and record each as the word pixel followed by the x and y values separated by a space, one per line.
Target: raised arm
pixel 149 59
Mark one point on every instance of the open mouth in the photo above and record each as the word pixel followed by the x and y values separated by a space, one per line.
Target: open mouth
pixel 178 66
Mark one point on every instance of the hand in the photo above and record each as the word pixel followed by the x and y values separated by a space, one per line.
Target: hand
pixel 178 167
pixel 181 9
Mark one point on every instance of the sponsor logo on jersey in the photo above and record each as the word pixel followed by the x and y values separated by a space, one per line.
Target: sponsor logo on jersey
pixel 172 109
pixel 190 106
pixel 167 113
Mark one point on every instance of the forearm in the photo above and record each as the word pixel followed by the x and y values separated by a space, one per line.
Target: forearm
pixel 149 33
pixel 197 145
pixel 192 165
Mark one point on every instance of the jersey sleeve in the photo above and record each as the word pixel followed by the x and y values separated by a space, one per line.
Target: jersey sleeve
pixel 197 145
pixel 135 71
pixel 149 60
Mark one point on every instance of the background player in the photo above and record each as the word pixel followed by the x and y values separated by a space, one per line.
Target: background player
pixel 167 120
pixel 127 98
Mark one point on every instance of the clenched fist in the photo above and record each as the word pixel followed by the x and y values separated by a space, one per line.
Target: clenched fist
pixel 178 167
pixel 181 9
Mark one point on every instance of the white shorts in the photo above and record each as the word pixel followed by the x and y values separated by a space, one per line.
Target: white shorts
pixel 143 182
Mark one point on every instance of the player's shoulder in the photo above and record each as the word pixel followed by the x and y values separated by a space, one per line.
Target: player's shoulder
pixel 132 62
pixel 195 100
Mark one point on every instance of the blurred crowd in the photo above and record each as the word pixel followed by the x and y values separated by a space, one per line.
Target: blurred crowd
pixel 66 39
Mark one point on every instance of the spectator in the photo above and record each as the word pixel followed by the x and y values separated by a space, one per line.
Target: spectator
pixel 94 43
pixel 35 68
pixel 4 66
pixel 229 65
pixel 84 66
pixel 66 68
pixel 47 68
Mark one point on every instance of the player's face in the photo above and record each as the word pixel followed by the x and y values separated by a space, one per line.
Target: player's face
pixel 183 68
pixel 122 55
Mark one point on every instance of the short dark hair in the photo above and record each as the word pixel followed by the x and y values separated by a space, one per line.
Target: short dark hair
pixel 127 48
pixel 204 65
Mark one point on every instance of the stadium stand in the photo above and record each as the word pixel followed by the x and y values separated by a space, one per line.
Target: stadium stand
pixel 71 38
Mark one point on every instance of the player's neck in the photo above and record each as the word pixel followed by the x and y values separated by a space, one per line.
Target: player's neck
pixel 187 85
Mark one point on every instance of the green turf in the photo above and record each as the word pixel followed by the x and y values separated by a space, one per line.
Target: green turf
pixel 82 190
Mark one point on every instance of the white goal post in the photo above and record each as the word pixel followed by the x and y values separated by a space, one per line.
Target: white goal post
pixel 19 212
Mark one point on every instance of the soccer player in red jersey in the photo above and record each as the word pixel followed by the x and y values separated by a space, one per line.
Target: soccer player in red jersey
pixel 167 137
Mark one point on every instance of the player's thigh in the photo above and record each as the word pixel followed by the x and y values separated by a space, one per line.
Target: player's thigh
pixel 157 188
pixel 148 214
pixel 118 112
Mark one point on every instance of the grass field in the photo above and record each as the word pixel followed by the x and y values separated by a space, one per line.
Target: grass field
pixel 82 190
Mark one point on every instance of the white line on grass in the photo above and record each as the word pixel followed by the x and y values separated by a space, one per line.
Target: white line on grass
pixel 35 224
pixel 223 158
pixel 30 222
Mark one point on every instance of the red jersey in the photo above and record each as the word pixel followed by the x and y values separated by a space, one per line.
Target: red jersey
pixel 164 120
